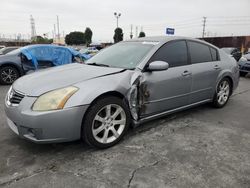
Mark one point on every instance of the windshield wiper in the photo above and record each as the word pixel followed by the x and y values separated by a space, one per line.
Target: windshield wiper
pixel 98 64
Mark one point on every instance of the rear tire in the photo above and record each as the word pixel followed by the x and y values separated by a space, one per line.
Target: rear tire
pixel 243 74
pixel 8 75
pixel 222 93
pixel 106 122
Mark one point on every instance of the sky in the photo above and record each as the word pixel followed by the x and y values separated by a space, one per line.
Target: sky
pixel 224 17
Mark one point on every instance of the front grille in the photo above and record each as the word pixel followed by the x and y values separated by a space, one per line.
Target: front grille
pixel 15 97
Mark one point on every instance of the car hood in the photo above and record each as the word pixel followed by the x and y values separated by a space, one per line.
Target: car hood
pixel 8 58
pixel 43 81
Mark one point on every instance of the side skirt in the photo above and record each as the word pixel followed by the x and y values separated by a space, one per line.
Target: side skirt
pixel 162 114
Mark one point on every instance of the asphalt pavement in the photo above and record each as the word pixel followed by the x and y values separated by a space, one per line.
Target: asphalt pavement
pixel 200 147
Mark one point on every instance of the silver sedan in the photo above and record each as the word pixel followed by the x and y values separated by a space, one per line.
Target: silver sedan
pixel 126 84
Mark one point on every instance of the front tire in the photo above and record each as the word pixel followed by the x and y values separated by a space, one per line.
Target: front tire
pixel 222 93
pixel 106 122
pixel 8 75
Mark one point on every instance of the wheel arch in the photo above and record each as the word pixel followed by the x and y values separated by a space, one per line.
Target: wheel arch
pixel 103 95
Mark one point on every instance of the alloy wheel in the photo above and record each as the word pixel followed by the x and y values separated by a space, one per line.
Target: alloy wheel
pixel 223 92
pixel 8 75
pixel 109 123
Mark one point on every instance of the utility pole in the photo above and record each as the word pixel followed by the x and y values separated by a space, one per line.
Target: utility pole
pixel 204 26
pixel 131 31
pixel 55 35
pixel 58 31
pixel 33 27
pixel 136 31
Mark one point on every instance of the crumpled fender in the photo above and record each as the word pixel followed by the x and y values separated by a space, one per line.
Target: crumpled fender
pixel 133 95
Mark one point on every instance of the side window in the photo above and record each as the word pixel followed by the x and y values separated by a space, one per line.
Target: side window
pixel 175 53
pixel 214 54
pixel 199 53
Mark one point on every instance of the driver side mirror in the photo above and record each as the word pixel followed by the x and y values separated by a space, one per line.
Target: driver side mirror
pixel 158 66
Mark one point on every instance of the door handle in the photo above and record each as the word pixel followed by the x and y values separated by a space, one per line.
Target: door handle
pixel 186 73
pixel 216 67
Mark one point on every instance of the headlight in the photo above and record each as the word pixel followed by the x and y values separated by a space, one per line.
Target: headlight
pixel 54 100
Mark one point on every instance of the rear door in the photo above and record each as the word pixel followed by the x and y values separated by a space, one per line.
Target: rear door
pixel 168 89
pixel 205 70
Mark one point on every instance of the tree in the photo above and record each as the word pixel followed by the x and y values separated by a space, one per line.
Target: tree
pixel 41 40
pixel 75 38
pixel 88 35
pixel 118 36
pixel 142 34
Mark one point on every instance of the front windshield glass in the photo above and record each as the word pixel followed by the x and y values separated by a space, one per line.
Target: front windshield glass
pixel 122 55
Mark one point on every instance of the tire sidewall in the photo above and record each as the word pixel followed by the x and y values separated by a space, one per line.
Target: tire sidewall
pixel 87 133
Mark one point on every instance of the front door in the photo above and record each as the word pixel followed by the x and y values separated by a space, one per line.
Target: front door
pixel 168 89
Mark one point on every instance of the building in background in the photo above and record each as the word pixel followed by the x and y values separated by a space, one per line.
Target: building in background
pixel 240 42
pixel 59 41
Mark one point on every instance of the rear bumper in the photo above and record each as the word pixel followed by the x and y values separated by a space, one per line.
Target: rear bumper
pixel 45 127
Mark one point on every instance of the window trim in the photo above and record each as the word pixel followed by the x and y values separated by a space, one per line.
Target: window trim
pixel 167 43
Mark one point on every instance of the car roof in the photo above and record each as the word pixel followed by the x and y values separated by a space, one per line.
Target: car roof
pixel 164 39
pixel 161 38
pixel 9 47
pixel 41 45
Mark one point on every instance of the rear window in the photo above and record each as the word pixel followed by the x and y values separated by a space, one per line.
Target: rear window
pixel 214 54
pixel 199 53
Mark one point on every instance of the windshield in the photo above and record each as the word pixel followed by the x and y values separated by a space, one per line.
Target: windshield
pixel 122 55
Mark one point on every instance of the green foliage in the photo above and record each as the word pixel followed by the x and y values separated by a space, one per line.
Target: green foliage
pixel 75 38
pixel 142 34
pixel 118 36
pixel 88 35
pixel 41 40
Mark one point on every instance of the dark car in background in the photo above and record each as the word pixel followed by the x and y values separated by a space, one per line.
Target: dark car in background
pixel 234 52
pixel 34 57
pixel 6 50
pixel 244 65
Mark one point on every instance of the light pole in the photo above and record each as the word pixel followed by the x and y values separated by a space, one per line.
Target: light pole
pixel 117 16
